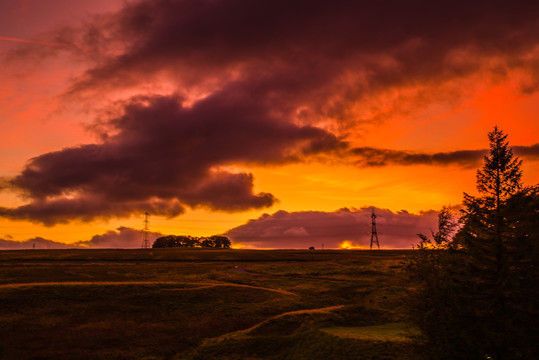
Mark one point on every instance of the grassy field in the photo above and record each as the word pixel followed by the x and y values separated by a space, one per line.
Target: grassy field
pixel 203 304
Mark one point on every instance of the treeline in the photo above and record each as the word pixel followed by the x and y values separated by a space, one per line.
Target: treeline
pixel 172 241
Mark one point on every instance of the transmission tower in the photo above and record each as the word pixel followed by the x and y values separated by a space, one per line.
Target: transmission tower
pixel 146 231
pixel 374 234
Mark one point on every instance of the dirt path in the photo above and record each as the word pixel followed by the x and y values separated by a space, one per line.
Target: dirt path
pixel 204 285
pixel 306 311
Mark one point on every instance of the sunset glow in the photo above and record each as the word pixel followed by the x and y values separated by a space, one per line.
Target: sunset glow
pixel 348 245
pixel 269 122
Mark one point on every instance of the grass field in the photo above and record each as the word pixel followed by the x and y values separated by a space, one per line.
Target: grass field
pixel 203 304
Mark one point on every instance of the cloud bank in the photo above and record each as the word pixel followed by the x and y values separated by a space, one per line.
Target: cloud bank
pixel 304 229
pixel 374 157
pixel 209 85
pixel 121 238
pixel 35 243
pixel 323 53
pixel 160 156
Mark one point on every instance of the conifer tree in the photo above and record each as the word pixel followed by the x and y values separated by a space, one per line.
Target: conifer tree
pixel 486 240
pixel 485 302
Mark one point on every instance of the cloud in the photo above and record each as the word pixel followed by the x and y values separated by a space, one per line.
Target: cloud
pixel 313 60
pixel 335 65
pixel 215 37
pixel 122 238
pixel 38 242
pixel 333 229
pixel 530 152
pixel 160 156
pixel 369 156
pixel 87 207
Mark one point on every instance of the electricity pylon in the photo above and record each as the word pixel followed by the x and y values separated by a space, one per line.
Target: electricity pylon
pixel 146 231
pixel 374 234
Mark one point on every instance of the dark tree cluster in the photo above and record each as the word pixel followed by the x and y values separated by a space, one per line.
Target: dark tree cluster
pixel 172 241
pixel 479 289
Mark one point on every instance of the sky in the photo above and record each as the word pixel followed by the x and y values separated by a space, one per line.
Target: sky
pixel 280 124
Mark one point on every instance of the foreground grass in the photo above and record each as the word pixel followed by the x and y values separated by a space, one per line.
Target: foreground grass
pixel 385 332
pixel 198 304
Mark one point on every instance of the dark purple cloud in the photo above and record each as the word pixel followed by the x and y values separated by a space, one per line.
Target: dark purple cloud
pixel 297 44
pixel 35 243
pixel 312 228
pixel 530 152
pixel 121 238
pixel 87 207
pixel 369 156
pixel 308 62
pixel 161 156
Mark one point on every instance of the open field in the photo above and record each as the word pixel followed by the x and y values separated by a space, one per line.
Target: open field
pixel 203 304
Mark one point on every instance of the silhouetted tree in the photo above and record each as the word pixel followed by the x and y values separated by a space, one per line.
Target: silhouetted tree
pixel 164 242
pixel 221 242
pixel 172 241
pixel 478 294
pixel 206 242
pixel 444 236
pixel 188 241
pixel 435 265
pixel 215 241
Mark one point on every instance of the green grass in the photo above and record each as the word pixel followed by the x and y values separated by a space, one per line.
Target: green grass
pixel 195 304
pixel 385 332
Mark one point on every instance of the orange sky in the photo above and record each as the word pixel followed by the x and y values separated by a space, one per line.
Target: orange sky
pixel 422 113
